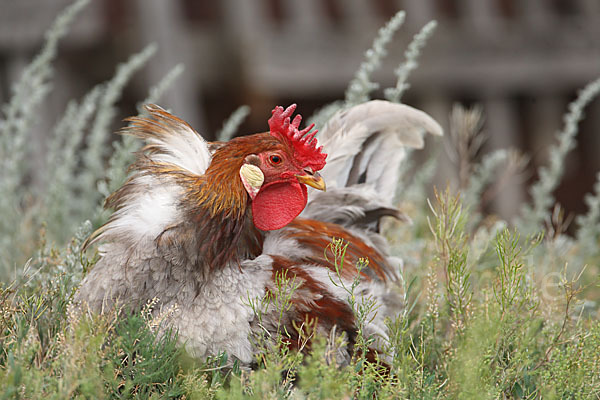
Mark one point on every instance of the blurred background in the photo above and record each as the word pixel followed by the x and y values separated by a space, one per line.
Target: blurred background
pixel 522 60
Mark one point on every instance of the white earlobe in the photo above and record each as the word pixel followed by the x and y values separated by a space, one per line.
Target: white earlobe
pixel 252 178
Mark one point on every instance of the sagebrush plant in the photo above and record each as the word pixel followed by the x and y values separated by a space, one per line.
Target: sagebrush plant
pixel 490 308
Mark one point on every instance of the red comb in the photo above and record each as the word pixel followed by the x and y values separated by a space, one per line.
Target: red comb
pixel 302 142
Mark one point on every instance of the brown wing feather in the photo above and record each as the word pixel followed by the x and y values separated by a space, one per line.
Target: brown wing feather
pixel 317 236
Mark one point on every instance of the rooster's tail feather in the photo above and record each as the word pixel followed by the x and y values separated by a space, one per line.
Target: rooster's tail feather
pixel 367 143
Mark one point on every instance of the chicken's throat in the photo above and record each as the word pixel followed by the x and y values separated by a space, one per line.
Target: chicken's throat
pixel 277 205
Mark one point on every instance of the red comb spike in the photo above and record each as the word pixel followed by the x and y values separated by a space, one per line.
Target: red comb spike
pixel 290 110
pixel 297 120
pixel 307 129
pixel 302 143
pixel 309 138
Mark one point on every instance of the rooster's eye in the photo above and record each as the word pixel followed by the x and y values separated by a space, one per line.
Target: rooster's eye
pixel 275 159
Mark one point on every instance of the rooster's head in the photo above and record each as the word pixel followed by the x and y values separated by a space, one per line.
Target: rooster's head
pixel 265 172
pixel 275 176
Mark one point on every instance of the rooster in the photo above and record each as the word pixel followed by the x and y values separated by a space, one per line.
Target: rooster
pixel 204 228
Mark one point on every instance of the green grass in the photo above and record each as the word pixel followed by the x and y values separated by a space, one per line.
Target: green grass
pixel 491 309
pixel 473 332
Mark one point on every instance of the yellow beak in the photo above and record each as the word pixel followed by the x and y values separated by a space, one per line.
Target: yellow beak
pixel 313 180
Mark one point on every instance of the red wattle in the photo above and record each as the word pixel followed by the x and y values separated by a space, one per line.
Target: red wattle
pixel 278 204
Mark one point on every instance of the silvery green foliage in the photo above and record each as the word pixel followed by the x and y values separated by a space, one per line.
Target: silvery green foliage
pixel 411 55
pixel 588 233
pixel 72 260
pixel 63 159
pixel 414 192
pixel 71 193
pixel 19 115
pixel 417 190
pixel 231 125
pixel 27 94
pixel 486 172
pixel 533 215
pixel 482 175
pixel 361 85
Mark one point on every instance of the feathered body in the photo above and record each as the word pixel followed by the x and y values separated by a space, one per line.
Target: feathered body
pixel 202 228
